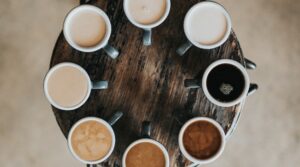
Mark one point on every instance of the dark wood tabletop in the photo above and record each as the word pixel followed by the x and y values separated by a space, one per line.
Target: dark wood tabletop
pixel 147 82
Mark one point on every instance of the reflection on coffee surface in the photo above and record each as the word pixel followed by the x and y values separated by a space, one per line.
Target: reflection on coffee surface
pixel 225 83
pixel 147 12
pixel 202 140
pixel 88 28
pixel 91 140
pixel 207 24
pixel 145 155
pixel 67 86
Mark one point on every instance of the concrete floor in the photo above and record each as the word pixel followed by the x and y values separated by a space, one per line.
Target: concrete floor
pixel 268 133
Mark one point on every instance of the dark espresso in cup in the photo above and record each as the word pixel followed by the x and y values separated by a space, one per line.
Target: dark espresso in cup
pixel 225 82
pixel 202 140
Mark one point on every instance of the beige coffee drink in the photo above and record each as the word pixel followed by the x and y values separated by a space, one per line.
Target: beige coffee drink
pixel 67 86
pixel 91 140
pixel 88 28
pixel 147 11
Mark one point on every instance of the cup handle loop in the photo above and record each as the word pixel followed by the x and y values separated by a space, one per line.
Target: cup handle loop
pixel 100 85
pixel 115 118
pixel 111 51
pixel 192 83
pixel 184 48
pixel 194 165
pixel 146 129
pixel 253 88
pixel 250 65
pixel 147 37
pixel 84 2
pixel 91 165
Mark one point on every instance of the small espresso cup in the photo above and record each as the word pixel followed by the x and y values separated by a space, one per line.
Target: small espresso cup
pixel 80 17
pixel 215 140
pixel 225 83
pixel 73 142
pixel 138 13
pixel 207 25
pixel 66 78
pixel 145 139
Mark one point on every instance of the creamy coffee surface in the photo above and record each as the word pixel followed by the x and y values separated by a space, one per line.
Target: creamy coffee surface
pixel 145 155
pixel 207 25
pixel 147 11
pixel 67 86
pixel 87 28
pixel 91 140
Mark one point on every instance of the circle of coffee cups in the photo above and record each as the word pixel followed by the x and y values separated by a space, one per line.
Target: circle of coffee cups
pixel 147 140
pixel 91 85
pixel 190 157
pixel 101 121
pixel 187 21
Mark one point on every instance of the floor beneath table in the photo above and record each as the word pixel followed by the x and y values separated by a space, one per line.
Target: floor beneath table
pixel 268 133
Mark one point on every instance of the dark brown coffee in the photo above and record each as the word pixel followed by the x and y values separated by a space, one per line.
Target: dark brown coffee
pixel 202 140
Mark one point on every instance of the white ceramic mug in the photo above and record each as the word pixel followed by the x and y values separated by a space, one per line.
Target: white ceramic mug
pixel 107 124
pixel 91 85
pixel 145 138
pixel 111 51
pixel 248 88
pixel 146 27
pixel 205 4
pixel 194 160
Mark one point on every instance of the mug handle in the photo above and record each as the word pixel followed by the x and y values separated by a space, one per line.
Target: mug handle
pixel 184 48
pixel 116 116
pixel 192 83
pixel 147 37
pixel 250 65
pixel 91 165
pixel 84 2
pixel 111 51
pixel 252 88
pixel 146 129
pixel 100 85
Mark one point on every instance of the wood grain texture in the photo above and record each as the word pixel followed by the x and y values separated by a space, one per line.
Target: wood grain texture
pixel 147 83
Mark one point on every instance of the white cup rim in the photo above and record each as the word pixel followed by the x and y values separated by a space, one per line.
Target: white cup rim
pixel 146 26
pixel 226 35
pixel 48 75
pixel 86 119
pixel 238 66
pixel 191 158
pixel 66 27
pixel 146 140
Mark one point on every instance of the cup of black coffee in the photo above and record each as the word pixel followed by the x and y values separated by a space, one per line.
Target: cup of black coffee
pixel 201 140
pixel 225 83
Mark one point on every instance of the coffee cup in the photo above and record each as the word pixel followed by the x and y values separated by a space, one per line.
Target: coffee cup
pixel 87 28
pixel 91 140
pixel 67 86
pixel 225 83
pixel 145 150
pixel 201 140
pixel 207 25
pixel 146 15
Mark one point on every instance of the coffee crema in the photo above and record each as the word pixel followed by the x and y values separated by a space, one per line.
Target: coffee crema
pixel 145 155
pixel 207 24
pixel 91 140
pixel 67 86
pixel 202 140
pixel 147 12
pixel 88 28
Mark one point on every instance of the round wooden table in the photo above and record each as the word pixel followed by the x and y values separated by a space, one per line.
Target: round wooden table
pixel 147 82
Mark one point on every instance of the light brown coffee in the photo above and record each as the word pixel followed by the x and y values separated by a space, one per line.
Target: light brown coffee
pixel 147 11
pixel 202 140
pixel 91 140
pixel 68 86
pixel 145 155
pixel 87 28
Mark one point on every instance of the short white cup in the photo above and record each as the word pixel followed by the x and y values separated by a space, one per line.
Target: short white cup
pixel 91 85
pixel 193 83
pixel 111 51
pixel 205 4
pixel 146 27
pixel 190 157
pixel 103 122
pixel 146 138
